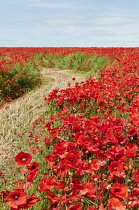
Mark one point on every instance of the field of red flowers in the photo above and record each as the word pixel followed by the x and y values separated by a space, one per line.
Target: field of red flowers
pixel 88 158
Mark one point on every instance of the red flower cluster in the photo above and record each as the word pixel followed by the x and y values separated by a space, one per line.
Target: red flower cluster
pixel 19 200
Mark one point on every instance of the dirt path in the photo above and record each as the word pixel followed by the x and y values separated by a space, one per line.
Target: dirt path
pixel 18 118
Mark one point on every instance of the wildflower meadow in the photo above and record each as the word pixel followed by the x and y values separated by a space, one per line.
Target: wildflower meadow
pixel 85 155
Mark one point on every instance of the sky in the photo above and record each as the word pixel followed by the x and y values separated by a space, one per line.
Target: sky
pixel 69 23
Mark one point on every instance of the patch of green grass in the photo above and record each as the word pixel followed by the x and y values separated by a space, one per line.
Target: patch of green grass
pixel 18 79
pixel 80 62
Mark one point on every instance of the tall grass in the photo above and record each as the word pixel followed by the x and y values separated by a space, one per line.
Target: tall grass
pixel 16 79
pixel 80 62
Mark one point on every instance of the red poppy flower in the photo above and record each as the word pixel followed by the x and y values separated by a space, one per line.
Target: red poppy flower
pixel 105 185
pixel 89 190
pixel 114 203
pixel 132 131
pixel 77 189
pixel 76 206
pixel 131 150
pixel 55 206
pixel 119 190
pixel 117 170
pixel 101 206
pixel 53 117
pixel 116 153
pixel 134 204
pixel 91 208
pixel 75 181
pixel 17 198
pixel 62 171
pixel 60 185
pixel 53 197
pixel 47 184
pixel 72 160
pixel 83 141
pixel 33 166
pixel 116 167
pixel 3 195
pixel 32 175
pixel 136 176
pixel 96 164
pixel 23 158
pixel 31 200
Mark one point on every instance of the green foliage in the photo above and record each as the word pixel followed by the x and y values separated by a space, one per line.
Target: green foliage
pixel 18 79
pixel 81 62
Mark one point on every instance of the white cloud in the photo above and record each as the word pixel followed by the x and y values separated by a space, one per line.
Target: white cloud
pixel 91 21
pixel 110 20
pixel 52 5
pixel 62 21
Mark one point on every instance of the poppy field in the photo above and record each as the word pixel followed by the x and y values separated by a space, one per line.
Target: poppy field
pixel 86 153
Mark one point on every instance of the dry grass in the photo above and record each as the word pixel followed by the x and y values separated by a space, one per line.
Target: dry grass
pixel 23 112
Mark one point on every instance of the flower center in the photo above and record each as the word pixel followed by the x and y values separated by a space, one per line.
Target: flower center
pixel 116 190
pixel 24 159
pixel 15 197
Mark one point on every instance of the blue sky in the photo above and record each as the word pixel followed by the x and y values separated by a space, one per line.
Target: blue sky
pixel 69 23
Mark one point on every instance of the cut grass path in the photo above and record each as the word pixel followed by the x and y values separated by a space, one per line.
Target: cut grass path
pixel 20 115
